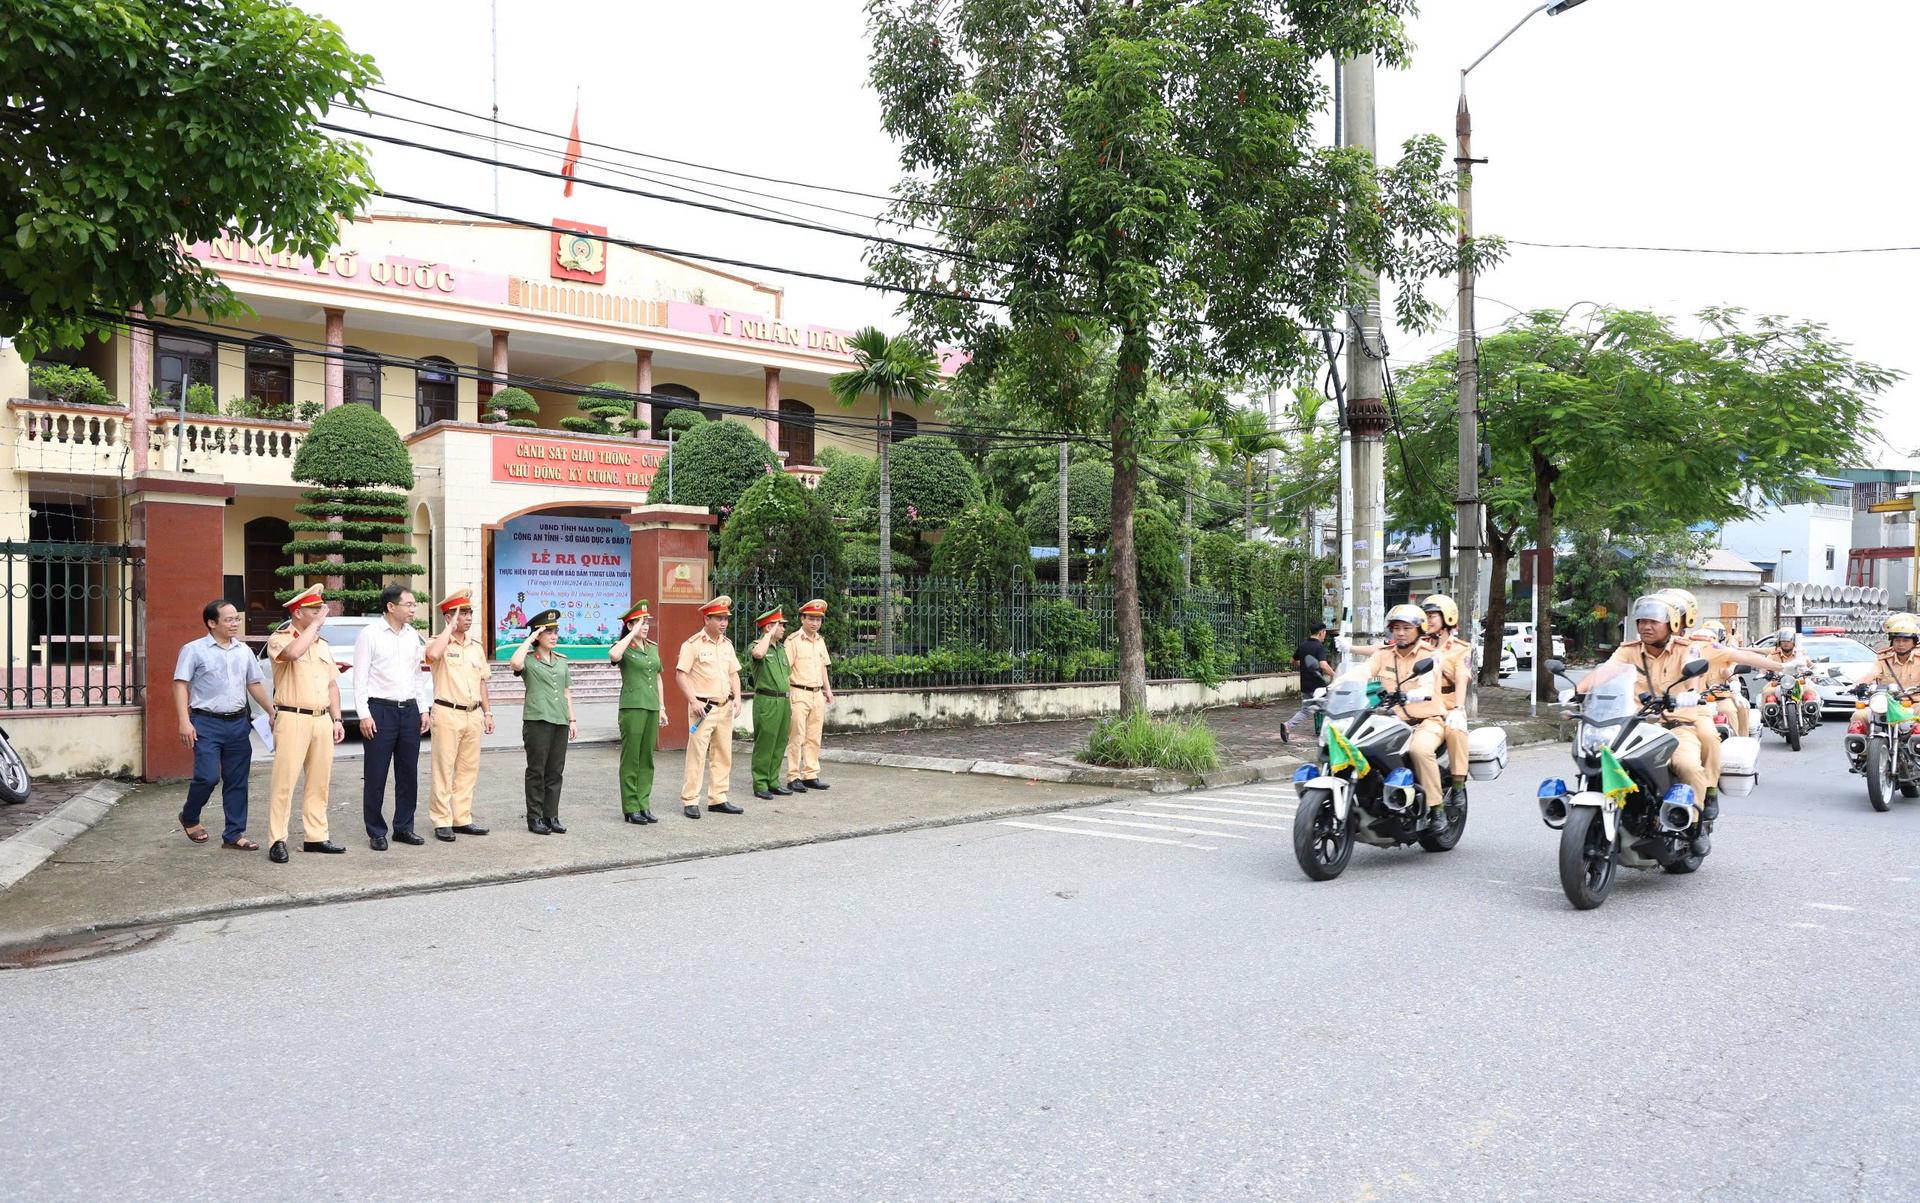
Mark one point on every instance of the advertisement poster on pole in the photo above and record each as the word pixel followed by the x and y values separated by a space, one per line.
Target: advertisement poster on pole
pixel 578 566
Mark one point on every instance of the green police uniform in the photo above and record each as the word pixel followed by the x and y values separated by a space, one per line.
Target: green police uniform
pixel 639 725
pixel 772 714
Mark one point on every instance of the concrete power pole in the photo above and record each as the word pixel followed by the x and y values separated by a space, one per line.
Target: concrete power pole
pixel 1366 377
pixel 1063 518
pixel 1467 523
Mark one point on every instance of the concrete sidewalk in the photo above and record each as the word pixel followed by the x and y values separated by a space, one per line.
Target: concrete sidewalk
pixel 135 867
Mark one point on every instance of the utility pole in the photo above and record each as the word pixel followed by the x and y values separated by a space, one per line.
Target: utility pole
pixel 1467 523
pixel 1366 385
pixel 1063 517
pixel 494 13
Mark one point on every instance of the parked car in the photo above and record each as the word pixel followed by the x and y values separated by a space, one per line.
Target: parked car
pixel 1507 662
pixel 339 634
pixel 1520 641
pixel 1839 661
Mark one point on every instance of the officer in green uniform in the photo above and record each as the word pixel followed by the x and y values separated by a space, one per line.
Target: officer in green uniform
pixel 639 661
pixel 772 715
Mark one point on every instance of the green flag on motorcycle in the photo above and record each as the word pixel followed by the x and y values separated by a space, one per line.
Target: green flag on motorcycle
pixel 1898 711
pixel 1614 781
pixel 1342 754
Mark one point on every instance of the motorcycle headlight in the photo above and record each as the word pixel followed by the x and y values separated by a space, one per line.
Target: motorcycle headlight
pixel 1589 741
pixel 1877 705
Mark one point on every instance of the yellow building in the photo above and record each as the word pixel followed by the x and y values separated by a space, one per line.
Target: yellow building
pixel 422 319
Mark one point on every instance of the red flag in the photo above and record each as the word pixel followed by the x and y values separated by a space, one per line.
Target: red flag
pixel 572 160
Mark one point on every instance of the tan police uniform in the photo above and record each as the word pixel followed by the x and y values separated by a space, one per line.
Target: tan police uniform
pixel 1393 669
pixel 1891 668
pixel 460 678
pixel 302 736
pixel 714 668
pixel 1702 645
pixel 1657 670
pixel 807 658
pixel 1454 694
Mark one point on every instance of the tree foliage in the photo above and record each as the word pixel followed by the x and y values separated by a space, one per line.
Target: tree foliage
pixel 607 408
pixel 137 127
pixel 1089 507
pixel 1146 173
pixel 931 484
pixel 512 407
pixel 848 479
pixel 983 543
pixel 358 459
pixel 714 463
pixel 75 386
pixel 781 541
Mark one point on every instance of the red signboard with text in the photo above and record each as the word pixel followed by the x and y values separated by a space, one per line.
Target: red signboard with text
pixel 536 459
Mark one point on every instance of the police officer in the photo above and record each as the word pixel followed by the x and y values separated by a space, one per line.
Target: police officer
pixel 1687 607
pixel 306 699
pixel 1786 648
pixel 1425 710
pixel 769 676
pixel 708 673
pixel 547 721
pixel 464 713
pixel 811 694
pixel 639 661
pixel 1729 701
pixel 1443 620
pixel 1899 665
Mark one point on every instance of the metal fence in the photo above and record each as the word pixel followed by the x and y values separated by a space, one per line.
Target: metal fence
pixel 956 633
pixel 71 636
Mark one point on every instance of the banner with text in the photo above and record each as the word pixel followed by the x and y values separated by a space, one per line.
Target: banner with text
pixel 578 566
pixel 531 459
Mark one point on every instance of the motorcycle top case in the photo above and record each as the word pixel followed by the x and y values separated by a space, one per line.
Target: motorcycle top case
pixel 1486 752
pixel 1739 765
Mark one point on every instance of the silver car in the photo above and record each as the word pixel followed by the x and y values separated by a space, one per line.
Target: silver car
pixel 1839 661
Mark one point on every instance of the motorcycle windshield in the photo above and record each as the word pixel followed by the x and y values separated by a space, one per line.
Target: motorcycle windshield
pixel 1348 693
pixel 1612 699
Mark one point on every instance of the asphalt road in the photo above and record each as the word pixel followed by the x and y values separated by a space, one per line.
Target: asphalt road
pixel 1033 1010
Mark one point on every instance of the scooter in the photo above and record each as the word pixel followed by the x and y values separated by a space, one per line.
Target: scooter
pixel 15 782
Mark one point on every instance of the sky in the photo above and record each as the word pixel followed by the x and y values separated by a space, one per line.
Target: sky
pixel 1731 124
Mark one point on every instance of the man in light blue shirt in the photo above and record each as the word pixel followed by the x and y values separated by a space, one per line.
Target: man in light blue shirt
pixel 211 681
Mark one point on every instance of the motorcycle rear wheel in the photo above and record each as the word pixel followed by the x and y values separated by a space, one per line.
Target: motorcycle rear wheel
pixel 1586 859
pixel 1322 843
pixel 1792 724
pixel 1685 865
pixel 1879 774
pixel 1444 840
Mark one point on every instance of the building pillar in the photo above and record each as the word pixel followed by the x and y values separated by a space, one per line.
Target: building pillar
pixel 173 518
pixel 336 367
pixel 489 387
pixel 670 567
pixel 140 384
pixel 773 407
pixel 643 384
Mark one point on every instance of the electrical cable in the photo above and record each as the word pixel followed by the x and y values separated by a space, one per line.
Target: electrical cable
pixel 1696 250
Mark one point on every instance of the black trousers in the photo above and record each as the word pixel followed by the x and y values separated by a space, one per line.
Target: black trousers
pixel 395 745
pixel 546 765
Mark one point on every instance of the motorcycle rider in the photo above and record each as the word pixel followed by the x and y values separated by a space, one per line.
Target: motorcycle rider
pixel 1442 626
pixel 1425 708
pixel 1899 665
pixel 1688 607
pixel 1786 648
pixel 1732 702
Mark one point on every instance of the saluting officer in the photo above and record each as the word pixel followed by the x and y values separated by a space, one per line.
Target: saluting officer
pixel 306 699
pixel 639 661
pixel 769 678
pixel 708 674
pixel 547 721
pixel 460 675
pixel 811 694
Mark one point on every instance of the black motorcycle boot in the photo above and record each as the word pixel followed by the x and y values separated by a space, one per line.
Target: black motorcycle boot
pixel 1700 845
pixel 1710 810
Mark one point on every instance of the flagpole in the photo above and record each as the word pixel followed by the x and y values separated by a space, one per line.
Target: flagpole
pixel 495 7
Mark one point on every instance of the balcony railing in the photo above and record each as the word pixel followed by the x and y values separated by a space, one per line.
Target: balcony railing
pixel 94 440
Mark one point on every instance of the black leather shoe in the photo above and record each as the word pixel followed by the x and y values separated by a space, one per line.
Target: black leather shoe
pixel 796 786
pixel 1711 810
pixel 377 842
pixel 637 817
pixel 764 795
pixel 784 793
pixel 327 846
pixel 726 808
pixel 537 826
pixel 816 783
pixel 443 833
pixel 1436 818
pixel 692 812
pixel 410 837
pixel 1700 845
pixel 1457 794
pixel 553 825
pixel 469 829
pixel 649 816
pixel 278 853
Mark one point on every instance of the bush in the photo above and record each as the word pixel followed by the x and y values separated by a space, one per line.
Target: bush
pixel 254 407
pixel 1156 553
pixel 352 451
pixel 844 484
pixel 1139 741
pixel 511 407
pixel 717 462
pixel 200 399
pixel 775 541
pixel 72 386
pixel 608 411
pixel 983 543
pixel 682 420
pixel 863 553
pixel 931 482
pixel 1089 507
pixel 310 411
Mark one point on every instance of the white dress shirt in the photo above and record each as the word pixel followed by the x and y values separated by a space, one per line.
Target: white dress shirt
pixel 386 664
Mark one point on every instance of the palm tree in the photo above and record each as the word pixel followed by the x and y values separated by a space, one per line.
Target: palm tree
pixel 1244 438
pixel 892 369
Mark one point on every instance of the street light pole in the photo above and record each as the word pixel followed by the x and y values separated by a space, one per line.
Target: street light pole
pixel 1468 523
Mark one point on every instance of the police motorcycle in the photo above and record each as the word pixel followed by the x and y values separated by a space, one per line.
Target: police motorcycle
pixel 1364 787
pixel 1880 745
pixel 1624 807
pixel 1789 706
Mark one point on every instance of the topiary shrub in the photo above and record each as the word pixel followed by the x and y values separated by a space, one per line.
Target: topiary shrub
pixel 847 479
pixel 714 464
pixel 69 385
pixel 358 460
pixel 1156 554
pixel 932 482
pixel 983 543
pixel 1089 507
pixel 777 540
pixel 512 407
pixel 609 411
pixel 683 421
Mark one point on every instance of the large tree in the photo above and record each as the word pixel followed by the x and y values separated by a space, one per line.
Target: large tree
pixel 131 128
pixel 1147 170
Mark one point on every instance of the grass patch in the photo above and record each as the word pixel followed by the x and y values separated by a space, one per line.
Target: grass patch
pixel 1138 740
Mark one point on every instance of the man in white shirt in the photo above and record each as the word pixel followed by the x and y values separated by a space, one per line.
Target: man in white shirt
pixel 396 705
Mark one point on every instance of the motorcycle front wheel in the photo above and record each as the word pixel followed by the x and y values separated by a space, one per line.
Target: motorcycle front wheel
pixel 1879 774
pixel 1322 843
pixel 1792 715
pixel 1586 858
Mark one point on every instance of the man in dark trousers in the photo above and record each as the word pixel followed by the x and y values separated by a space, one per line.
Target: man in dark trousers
pixel 396 707
pixel 1311 655
pixel 211 682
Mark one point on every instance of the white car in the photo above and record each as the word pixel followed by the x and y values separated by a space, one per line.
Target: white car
pixel 1839 661
pixel 339 634
pixel 1520 642
pixel 1507 662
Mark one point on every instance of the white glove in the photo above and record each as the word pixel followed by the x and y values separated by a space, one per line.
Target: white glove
pixel 1457 719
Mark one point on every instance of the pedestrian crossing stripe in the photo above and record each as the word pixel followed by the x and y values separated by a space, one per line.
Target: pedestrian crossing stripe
pixel 1148 814
pixel 1224 835
pixel 1218 810
pixel 1106 835
pixel 1240 802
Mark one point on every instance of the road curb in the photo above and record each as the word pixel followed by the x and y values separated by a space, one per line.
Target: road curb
pixel 24 851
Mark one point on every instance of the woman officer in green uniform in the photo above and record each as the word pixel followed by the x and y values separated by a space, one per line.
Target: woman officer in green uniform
pixel 639 661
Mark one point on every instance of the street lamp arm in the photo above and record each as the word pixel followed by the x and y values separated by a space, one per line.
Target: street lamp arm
pixel 1503 37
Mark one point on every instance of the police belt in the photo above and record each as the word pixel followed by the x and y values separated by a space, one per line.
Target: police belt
pixel 808 688
pixel 455 705
pixel 298 710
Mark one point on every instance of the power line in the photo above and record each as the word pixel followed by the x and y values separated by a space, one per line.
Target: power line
pixel 1697 250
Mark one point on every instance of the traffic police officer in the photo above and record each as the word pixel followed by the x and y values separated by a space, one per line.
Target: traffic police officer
pixel 460 674
pixel 1443 618
pixel 769 677
pixel 1899 665
pixel 306 724
pixel 811 694
pixel 708 673
pixel 639 661
pixel 1425 709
